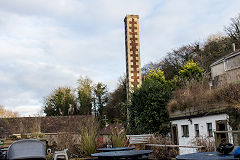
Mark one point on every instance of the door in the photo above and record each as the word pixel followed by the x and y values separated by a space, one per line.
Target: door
pixel 221 125
pixel 174 134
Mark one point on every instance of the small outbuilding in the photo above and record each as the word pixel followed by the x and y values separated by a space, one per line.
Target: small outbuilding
pixel 205 118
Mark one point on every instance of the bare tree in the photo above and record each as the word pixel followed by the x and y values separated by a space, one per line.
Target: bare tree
pixel 4 113
pixel 233 30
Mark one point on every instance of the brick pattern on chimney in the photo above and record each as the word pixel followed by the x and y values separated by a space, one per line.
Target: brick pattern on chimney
pixel 133 66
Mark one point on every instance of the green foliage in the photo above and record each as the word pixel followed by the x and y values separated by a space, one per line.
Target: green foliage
pixel 118 139
pixel 190 70
pixel 88 138
pixel 155 75
pixel 174 61
pixel 100 98
pixel 115 110
pixel 85 95
pixel 212 49
pixel 59 102
pixel 88 142
pixel 63 102
pixel 147 111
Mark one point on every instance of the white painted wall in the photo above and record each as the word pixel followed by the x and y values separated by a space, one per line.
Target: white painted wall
pixel 217 70
pixel 202 122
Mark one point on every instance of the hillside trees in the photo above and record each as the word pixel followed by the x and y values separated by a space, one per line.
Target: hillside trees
pixel 190 70
pixel 205 53
pixel 213 49
pixel 84 92
pixel 148 113
pixel 60 102
pixel 115 109
pixel 100 98
pixel 233 30
pixel 174 60
pixel 82 100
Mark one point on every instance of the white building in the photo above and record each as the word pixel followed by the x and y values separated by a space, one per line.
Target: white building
pixel 186 130
pixel 194 122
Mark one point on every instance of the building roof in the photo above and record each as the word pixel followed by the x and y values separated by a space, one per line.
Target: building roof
pixel 233 54
pixel 192 113
pixel 108 130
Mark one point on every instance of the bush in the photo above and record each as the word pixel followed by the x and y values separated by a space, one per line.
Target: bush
pixel 204 141
pixel 89 135
pixel 162 152
pixel 148 109
pixel 192 94
pixel 118 139
pixel 198 95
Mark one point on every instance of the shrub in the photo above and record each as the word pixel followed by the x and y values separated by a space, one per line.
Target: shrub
pixel 192 94
pixel 148 107
pixel 204 141
pixel 191 70
pixel 198 95
pixel 162 152
pixel 88 137
pixel 118 138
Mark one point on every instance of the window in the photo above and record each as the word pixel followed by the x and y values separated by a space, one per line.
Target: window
pixel 185 131
pixel 209 129
pixel 196 127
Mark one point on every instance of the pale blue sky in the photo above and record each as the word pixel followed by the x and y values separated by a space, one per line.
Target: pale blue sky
pixel 49 43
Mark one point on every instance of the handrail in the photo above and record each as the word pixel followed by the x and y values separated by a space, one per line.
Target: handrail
pixel 173 146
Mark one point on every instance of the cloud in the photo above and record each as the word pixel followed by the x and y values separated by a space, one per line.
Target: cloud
pixel 49 43
pixel 61 8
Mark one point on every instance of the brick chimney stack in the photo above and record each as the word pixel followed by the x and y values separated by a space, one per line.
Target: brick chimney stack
pixel 133 65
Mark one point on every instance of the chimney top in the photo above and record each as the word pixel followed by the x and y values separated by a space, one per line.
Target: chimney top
pixel 233 46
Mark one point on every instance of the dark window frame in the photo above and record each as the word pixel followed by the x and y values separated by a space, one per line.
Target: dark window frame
pixel 209 129
pixel 196 128
pixel 185 130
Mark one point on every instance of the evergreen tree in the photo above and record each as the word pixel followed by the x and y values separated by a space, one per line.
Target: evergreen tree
pixel 60 102
pixel 148 112
pixel 85 95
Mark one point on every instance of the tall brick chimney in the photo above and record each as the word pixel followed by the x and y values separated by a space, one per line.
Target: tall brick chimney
pixel 133 65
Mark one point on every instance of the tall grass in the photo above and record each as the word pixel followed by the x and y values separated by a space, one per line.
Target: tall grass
pixel 118 138
pixel 198 95
pixel 89 134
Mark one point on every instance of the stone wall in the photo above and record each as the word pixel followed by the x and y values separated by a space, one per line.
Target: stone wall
pixel 52 124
